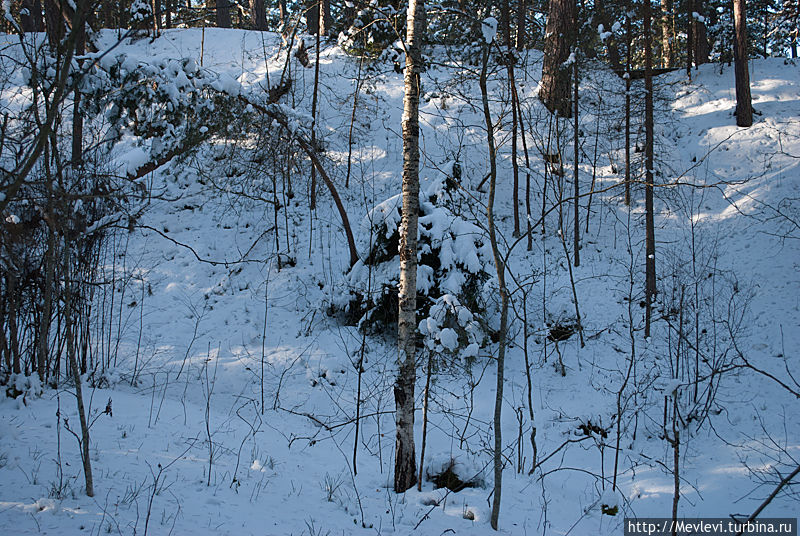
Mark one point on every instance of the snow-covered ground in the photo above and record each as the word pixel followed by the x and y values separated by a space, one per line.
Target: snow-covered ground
pixel 233 391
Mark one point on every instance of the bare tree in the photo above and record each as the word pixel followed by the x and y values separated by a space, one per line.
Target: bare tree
pixel 405 469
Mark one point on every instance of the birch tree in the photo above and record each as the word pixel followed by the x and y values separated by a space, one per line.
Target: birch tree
pixel 405 469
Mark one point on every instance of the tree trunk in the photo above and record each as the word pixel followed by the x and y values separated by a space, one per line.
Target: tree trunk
pixel 76 376
pixel 13 310
pixel 499 265
pixel 521 8
pixel 259 14
pixel 629 41
pixel 77 116
pixel 667 34
pixel 284 14
pixel 405 469
pixel 690 37
pixel 312 18
pixel 54 23
pixel 744 107
pixel 650 241
pixel 32 20
pixel 702 50
pixel 601 16
pixel 576 236
pixel 223 14
pixel 512 82
pixel 555 87
pixel 315 94
pixel 325 21
pixel 43 350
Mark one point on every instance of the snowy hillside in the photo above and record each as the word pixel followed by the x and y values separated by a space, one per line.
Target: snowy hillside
pixel 229 362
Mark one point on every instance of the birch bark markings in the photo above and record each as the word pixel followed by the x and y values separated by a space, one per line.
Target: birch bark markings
pixel 405 469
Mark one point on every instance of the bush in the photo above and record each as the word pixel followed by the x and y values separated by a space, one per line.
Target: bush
pixel 453 272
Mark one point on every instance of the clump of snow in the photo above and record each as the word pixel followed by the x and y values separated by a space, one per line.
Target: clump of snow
pixel 133 160
pixel 489 29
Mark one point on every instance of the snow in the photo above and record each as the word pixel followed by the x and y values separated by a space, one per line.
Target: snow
pixel 489 29
pixel 7 13
pixel 211 329
pixel 133 160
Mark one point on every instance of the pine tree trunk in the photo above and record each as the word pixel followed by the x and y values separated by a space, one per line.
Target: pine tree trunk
pixel 259 14
pixel 510 59
pixel 325 21
pixel 629 41
pixel 312 17
pixel 54 23
pixel 689 38
pixel 32 19
pixel 576 235
pixel 521 8
pixel 555 87
pixel 744 107
pixel 405 469
pixel 702 50
pixel 223 14
pixel 667 33
pixel 650 241
pixel 77 116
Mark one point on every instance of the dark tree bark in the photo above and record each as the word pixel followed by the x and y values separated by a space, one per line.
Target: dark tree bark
pixel 223 14
pixel 601 16
pixel 31 18
pixel 506 14
pixel 405 468
pixel 702 49
pixel 744 107
pixel 521 8
pixel 650 239
pixel 576 234
pixel 628 42
pixel 259 14
pixel 77 116
pixel 319 21
pixel 54 23
pixel 559 37
pixel 312 18
pixel 690 41
pixel 667 34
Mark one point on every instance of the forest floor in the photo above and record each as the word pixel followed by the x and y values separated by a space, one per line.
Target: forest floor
pixel 233 391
